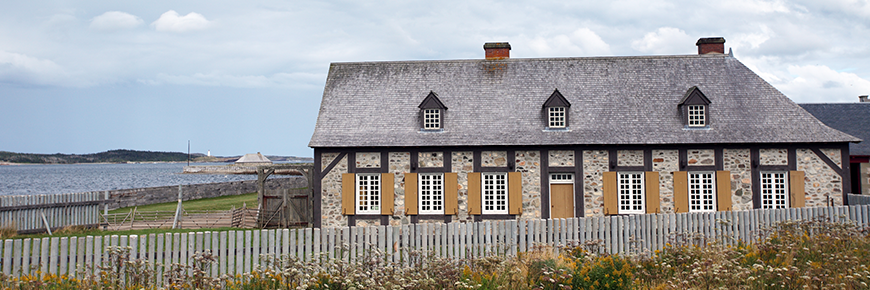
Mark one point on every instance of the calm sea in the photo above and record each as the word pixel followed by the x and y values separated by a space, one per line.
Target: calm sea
pixel 69 178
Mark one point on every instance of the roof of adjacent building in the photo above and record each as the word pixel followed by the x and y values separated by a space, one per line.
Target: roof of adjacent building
pixel 254 158
pixel 851 118
pixel 614 100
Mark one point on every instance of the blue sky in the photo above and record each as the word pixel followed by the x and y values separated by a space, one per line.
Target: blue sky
pixel 238 77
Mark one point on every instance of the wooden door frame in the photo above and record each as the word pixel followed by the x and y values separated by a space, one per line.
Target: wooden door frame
pixel 550 184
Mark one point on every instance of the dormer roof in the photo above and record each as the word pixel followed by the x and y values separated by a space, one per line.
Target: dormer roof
pixel 432 102
pixel 557 100
pixel 694 96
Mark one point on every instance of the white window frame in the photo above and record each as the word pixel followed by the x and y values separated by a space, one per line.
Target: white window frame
pixel 702 191
pixel 494 200
pixel 631 192
pixel 430 187
pixel 697 116
pixel 561 178
pixel 557 117
pixel 774 190
pixel 431 119
pixel 368 193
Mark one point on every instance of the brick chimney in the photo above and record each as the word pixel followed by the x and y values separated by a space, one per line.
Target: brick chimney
pixel 497 50
pixel 863 99
pixel 711 45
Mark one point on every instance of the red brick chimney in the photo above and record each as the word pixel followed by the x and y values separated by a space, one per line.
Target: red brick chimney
pixel 711 45
pixel 497 50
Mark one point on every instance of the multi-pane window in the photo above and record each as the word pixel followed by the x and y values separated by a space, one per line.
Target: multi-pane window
pixel 431 193
pixel 702 191
pixel 368 193
pixel 631 192
pixel 431 119
pixel 561 178
pixel 697 116
pixel 495 193
pixel 774 190
pixel 557 117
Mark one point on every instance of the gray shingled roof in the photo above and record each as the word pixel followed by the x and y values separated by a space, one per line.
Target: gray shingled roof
pixel 614 100
pixel 851 118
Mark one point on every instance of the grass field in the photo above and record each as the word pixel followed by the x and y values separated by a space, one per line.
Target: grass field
pixel 216 203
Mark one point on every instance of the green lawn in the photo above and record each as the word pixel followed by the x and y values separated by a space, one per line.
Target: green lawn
pixel 100 232
pixel 216 203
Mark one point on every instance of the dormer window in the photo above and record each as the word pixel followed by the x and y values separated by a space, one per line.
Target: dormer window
pixel 697 115
pixel 557 117
pixel 432 112
pixel 555 111
pixel 431 119
pixel 695 109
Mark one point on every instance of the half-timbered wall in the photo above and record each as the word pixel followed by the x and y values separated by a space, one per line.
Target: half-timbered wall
pixel 822 168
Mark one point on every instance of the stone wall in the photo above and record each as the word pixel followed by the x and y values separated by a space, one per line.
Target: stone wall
pixel 629 157
pixel 330 192
pixel 739 163
pixel 595 163
pixel 368 160
pixel 493 158
pixel 430 159
pixel 400 162
pixel 151 195
pixel 462 163
pixel 773 156
pixel 700 157
pixel 564 158
pixel 665 162
pixel 865 179
pixel 821 182
pixel 529 163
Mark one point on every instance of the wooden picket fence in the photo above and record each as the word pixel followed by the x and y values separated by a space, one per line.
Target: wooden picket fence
pixel 858 199
pixel 30 213
pixel 241 251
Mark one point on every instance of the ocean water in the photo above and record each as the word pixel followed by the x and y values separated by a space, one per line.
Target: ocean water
pixel 70 178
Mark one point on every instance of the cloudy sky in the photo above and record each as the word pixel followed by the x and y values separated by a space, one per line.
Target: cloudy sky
pixel 237 77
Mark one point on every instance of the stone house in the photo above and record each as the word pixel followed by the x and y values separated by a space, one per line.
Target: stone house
pixel 854 119
pixel 400 142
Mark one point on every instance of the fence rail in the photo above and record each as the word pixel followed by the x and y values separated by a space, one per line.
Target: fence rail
pixel 240 251
pixel 32 212
pixel 858 199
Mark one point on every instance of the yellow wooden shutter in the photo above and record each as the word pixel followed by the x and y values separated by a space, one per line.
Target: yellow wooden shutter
pixel 451 193
pixel 652 192
pixel 410 193
pixel 723 190
pixel 796 187
pixel 611 198
pixel 388 196
pixel 681 191
pixel 474 193
pixel 515 193
pixel 348 193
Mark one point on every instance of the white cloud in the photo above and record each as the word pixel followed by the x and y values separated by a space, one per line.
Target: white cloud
pixel 20 68
pixel 751 40
pixel 665 40
pixel 752 6
pixel 171 21
pixel 297 80
pixel 582 42
pixel 115 20
pixel 819 83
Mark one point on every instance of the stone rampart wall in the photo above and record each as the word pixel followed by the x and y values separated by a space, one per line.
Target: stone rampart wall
pixel 151 195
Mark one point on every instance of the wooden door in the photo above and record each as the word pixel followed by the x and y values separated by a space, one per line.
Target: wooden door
pixel 561 201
